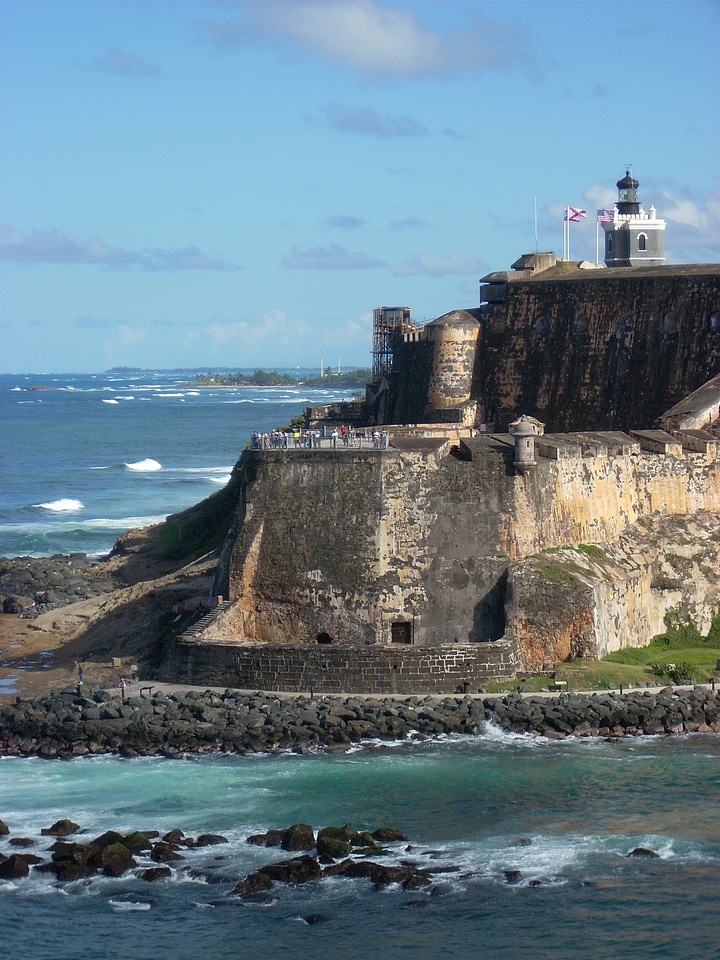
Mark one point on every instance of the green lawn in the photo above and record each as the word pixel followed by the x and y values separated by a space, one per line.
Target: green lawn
pixel 682 655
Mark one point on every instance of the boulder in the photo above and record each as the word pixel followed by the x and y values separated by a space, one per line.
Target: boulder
pixel 254 883
pixel 164 852
pixel 643 853
pixel 105 839
pixel 334 842
pixel 298 870
pixel 273 838
pixel 173 836
pixel 388 835
pixel 66 871
pixel 298 837
pixel 136 842
pixel 156 873
pixel 14 868
pixel 113 860
pixel 210 839
pixel 61 828
pixel 4 829
pixel 70 852
pixel 512 876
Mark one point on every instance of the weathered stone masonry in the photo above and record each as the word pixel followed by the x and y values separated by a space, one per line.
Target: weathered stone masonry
pixel 597 349
pixel 353 558
pixel 338 669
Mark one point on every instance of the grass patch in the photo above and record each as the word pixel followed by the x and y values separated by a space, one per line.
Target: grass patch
pixel 681 655
pixel 590 550
pixel 201 528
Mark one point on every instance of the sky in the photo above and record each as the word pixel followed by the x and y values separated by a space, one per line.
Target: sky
pixel 238 184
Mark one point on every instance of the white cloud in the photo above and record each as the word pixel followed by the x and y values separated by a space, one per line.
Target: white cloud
pixel 127 336
pixel 122 64
pixel 434 266
pixel 331 257
pixel 368 122
pixel 344 221
pixel 600 197
pixel 373 38
pixel 54 246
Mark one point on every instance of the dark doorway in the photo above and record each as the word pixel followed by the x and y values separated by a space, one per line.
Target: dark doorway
pixel 400 633
pixel 324 638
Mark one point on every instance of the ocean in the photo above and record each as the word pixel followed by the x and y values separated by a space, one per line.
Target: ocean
pixel 94 456
pixel 86 457
pixel 565 814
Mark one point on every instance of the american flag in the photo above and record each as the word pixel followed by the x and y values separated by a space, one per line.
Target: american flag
pixel 606 216
pixel 574 215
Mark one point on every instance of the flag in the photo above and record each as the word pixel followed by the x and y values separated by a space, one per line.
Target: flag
pixel 574 215
pixel 606 216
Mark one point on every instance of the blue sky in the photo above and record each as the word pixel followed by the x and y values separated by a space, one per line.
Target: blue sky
pixel 240 183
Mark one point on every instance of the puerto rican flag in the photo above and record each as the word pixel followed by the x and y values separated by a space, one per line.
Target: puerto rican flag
pixel 573 215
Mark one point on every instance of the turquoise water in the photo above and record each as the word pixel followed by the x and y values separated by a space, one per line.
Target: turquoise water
pixel 462 803
pixel 90 456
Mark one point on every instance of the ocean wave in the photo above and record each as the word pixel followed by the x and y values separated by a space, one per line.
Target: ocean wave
pixel 95 524
pixel 144 466
pixel 221 481
pixel 64 505
pixel 205 470
pixel 104 400
pixel 127 906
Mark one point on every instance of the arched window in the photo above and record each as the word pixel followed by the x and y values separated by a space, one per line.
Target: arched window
pixel 581 324
pixel 642 241
pixel 608 238
pixel 714 321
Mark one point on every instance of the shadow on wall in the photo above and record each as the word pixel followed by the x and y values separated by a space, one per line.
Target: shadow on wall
pixel 489 614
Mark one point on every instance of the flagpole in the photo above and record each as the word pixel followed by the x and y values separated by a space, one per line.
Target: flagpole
pixel 567 221
pixel 597 241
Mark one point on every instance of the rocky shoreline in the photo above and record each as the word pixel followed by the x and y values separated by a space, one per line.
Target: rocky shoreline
pixel 92 720
pixel 31 586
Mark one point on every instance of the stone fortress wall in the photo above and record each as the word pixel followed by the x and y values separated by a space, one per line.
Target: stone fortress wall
pixel 599 349
pixel 442 561
pixel 400 570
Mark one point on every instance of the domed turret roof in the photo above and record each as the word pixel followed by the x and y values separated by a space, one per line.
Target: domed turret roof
pixel 627 182
pixel 454 318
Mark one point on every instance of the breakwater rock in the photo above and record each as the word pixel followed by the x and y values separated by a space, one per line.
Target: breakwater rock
pixel 94 720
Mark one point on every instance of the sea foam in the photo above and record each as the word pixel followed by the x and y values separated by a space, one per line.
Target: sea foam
pixel 144 466
pixel 64 505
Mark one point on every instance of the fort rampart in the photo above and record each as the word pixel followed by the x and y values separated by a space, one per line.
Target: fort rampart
pixel 433 553
pixel 578 349
pixel 339 669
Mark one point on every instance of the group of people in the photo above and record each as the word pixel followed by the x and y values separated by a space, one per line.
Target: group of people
pixel 344 435
pixel 264 441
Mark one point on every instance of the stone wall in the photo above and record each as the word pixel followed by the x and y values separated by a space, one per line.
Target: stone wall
pixel 342 669
pixel 610 350
pixel 588 601
pixel 354 544
pixel 601 349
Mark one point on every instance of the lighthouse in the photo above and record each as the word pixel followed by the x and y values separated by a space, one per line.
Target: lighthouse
pixel 633 237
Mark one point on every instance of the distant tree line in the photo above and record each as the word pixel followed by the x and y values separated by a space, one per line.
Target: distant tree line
pixel 271 378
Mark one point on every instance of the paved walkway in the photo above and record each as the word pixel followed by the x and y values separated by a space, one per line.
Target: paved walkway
pixel 150 687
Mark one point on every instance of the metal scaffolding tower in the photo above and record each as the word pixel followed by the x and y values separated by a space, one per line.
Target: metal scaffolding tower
pixel 389 324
